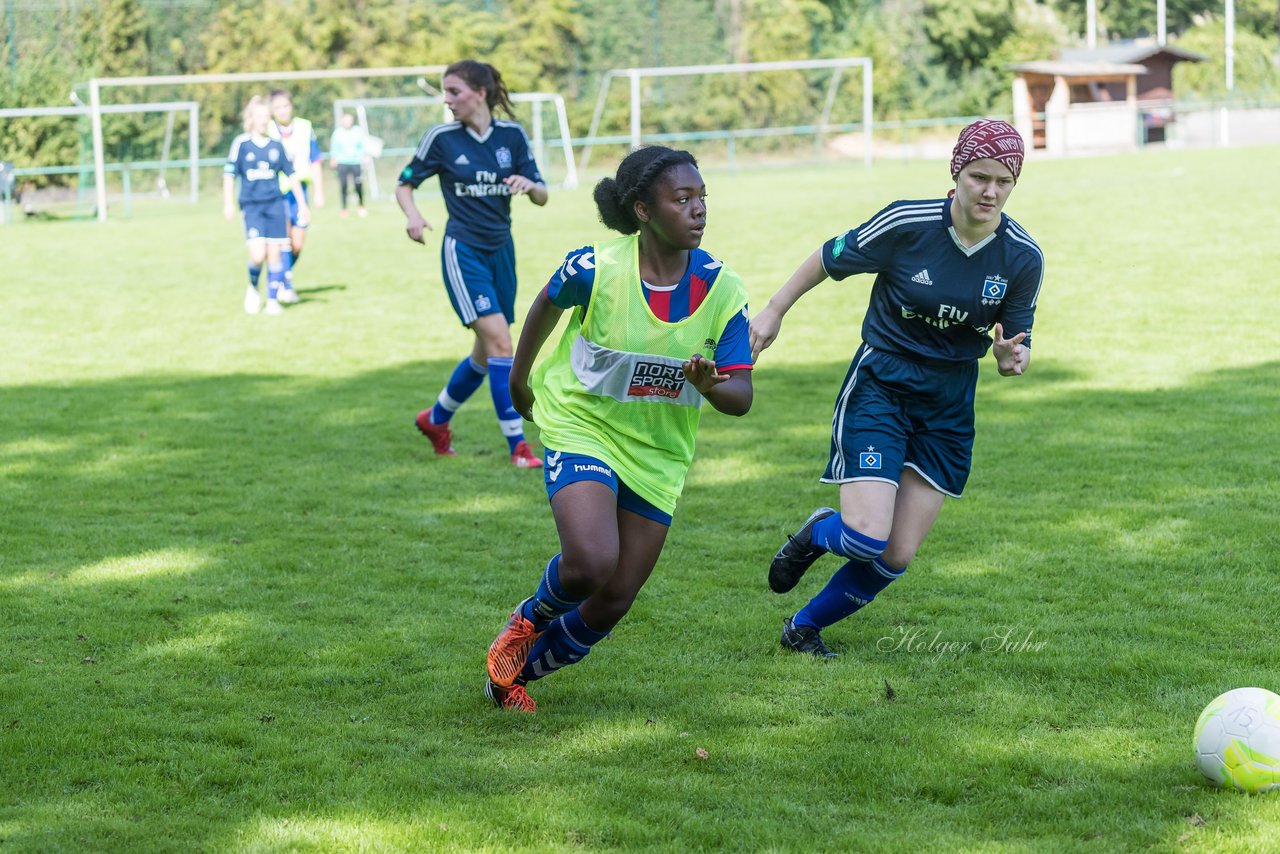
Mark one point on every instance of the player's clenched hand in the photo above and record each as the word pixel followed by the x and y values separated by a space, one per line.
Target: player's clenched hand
pixel 702 373
pixel 763 330
pixel 1012 356
pixel 229 211
pixel 521 397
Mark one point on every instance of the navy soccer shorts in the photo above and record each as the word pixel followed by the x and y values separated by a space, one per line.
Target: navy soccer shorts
pixel 265 221
pixel 561 469
pixel 291 206
pixel 479 281
pixel 893 412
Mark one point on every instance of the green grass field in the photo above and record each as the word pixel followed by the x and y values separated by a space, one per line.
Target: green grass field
pixel 242 606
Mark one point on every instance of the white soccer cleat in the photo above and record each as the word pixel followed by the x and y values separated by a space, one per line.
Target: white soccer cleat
pixel 274 307
pixel 288 295
pixel 252 302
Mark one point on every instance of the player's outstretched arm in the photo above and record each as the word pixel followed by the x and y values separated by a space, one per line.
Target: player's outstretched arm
pixel 538 325
pixel 767 323
pixel 1012 356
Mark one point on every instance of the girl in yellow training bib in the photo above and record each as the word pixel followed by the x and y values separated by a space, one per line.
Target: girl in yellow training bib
pixel 657 325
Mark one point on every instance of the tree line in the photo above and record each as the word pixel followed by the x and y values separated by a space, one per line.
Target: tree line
pixel 932 57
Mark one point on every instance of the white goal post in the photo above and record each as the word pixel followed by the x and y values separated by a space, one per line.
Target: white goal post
pixel 635 74
pixel 97 84
pixel 191 108
pixel 537 137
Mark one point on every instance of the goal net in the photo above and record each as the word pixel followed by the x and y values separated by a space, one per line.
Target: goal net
pixel 745 110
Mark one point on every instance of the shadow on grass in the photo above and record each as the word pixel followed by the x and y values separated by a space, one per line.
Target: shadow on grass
pixel 271 595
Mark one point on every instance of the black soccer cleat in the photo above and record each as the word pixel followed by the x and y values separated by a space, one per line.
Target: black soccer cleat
pixel 797 554
pixel 805 639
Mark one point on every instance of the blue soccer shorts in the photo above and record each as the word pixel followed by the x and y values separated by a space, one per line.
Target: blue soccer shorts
pixel 893 412
pixel 479 281
pixel 291 206
pixel 265 221
pixel 561 469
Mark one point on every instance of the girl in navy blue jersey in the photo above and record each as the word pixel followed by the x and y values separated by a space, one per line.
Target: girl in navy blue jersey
pixel 954 277
pixel 482 162
pixel 259 161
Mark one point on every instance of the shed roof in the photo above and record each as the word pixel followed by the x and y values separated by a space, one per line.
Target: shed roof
pixel 1127 52
pixel 1064 68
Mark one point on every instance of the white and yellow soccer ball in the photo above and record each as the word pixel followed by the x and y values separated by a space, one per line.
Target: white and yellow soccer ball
pixel 1237 740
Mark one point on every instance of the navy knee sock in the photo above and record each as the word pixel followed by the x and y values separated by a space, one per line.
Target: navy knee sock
pixel 853 586
pixel 567 641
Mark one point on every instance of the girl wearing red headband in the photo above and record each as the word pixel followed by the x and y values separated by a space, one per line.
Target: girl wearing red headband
pixel 954 278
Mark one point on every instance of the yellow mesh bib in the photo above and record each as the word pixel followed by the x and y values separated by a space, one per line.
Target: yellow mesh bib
pixel 614 387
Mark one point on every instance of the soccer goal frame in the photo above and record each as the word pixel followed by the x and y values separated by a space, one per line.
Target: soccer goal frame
pixel 634 76
pixel 97 84
pixel 171 108
pixel 537 137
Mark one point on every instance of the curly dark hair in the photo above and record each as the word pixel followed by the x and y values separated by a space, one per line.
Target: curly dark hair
pixel 637 174
pixel 482 75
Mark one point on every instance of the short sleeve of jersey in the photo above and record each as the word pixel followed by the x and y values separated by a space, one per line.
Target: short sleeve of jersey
pixel 233 156
pixel 733 349
pixel 571 285
pixel 285 165
pixel 423 165
pixel 865 249
pixel 1018 311
pixel 525 164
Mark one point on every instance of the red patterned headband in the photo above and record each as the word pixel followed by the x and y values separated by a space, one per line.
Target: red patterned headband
pixel 988 138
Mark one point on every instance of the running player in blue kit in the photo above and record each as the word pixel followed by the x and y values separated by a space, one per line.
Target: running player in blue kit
pixel 482 162
pixel 954 277
pixel 260 162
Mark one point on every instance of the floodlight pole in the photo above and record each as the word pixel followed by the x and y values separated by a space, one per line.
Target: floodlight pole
pixel 1160 23
pixel 1091 24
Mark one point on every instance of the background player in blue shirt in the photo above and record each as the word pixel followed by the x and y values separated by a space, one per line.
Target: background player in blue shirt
pixel 259 161
pixel 482 162
pixel 954 276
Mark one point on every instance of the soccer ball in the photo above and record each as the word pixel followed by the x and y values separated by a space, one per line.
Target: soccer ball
pixel 1237 740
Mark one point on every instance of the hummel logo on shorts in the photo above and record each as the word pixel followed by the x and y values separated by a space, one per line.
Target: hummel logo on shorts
pixel 922 277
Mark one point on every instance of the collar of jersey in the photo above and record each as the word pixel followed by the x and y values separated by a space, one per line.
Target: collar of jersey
pixel 969 251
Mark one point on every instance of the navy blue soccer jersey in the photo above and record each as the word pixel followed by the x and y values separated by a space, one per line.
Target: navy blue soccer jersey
pixel 471 170
pixel 935 300
pixel 571 286
pixel 257 164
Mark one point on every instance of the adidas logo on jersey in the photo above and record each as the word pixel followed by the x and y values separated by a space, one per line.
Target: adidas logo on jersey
pixel 922 278
pixel 462 161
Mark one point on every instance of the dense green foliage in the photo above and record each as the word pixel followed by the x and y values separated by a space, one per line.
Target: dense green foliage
pixel 244 608
pixel 933 57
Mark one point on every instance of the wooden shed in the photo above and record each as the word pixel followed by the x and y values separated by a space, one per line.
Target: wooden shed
pixel 1118 96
